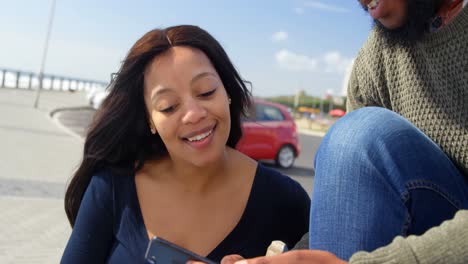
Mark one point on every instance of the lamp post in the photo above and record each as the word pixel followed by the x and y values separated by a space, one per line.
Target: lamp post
pixel 44 54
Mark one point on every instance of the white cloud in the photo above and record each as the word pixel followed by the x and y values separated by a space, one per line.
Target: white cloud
pixel 279 36
pixel 325 7
pixel 334 62
pixel 298 10
pixel 295 62
pixel 346 77
pixel 330 62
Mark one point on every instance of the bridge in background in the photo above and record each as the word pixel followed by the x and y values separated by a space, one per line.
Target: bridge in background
pixel 11 78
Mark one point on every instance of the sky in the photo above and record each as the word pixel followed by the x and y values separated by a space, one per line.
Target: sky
pixel 280 46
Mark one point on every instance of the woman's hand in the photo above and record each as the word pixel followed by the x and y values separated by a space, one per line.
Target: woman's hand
pixel 293 257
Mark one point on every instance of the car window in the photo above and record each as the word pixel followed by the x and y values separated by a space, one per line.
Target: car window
pixel 267 113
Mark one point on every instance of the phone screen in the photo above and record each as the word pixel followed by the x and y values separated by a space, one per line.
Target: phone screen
pixel 161 251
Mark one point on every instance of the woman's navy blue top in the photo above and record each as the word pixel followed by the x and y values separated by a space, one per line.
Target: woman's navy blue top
pixel 109 227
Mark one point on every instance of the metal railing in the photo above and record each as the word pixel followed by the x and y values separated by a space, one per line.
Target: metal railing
pixel 11 78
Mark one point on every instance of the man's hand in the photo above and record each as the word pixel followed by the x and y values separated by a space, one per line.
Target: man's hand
pixel 293 257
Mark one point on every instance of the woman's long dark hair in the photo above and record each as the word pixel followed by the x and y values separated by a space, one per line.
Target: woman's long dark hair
pixel 119 138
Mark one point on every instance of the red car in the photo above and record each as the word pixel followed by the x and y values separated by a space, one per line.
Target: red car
pixel 270 134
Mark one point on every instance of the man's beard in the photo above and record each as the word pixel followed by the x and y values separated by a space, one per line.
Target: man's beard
pixel 419 18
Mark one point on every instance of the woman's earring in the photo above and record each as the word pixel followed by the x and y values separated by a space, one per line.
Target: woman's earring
pixel 229 100
pixel 151 126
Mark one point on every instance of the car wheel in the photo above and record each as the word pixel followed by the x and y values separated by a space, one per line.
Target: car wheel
pixel 285 157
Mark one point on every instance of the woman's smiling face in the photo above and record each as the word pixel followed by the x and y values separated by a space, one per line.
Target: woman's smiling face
pixel 188 105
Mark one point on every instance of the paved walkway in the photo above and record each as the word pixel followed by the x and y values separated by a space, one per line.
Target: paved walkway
pixel 37 158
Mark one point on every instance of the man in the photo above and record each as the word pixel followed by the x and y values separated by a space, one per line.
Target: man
pixel 401 168
pixel 381 173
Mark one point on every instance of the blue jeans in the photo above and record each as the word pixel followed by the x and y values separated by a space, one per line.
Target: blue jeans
pixel 377 177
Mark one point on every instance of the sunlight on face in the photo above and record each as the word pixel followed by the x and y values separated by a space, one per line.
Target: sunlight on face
pixel 188 105
pixel 390 13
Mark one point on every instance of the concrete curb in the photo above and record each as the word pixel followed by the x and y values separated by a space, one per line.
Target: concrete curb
pixel 65 128
pixel 311 133
pixel 74 108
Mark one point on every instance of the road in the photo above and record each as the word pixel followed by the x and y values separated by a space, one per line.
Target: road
pixel 303 169
pixel 77 120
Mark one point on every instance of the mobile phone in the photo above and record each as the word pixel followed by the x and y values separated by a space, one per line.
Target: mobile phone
pixel 161 251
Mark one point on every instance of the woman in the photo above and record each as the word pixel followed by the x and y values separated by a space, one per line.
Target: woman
pixel 159 160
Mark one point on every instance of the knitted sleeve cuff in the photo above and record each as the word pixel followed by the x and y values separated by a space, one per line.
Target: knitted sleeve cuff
pixel 446 243
pixel 397 252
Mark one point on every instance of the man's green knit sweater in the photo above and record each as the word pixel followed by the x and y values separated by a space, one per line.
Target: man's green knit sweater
pixel 446 243
pixel 426 83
